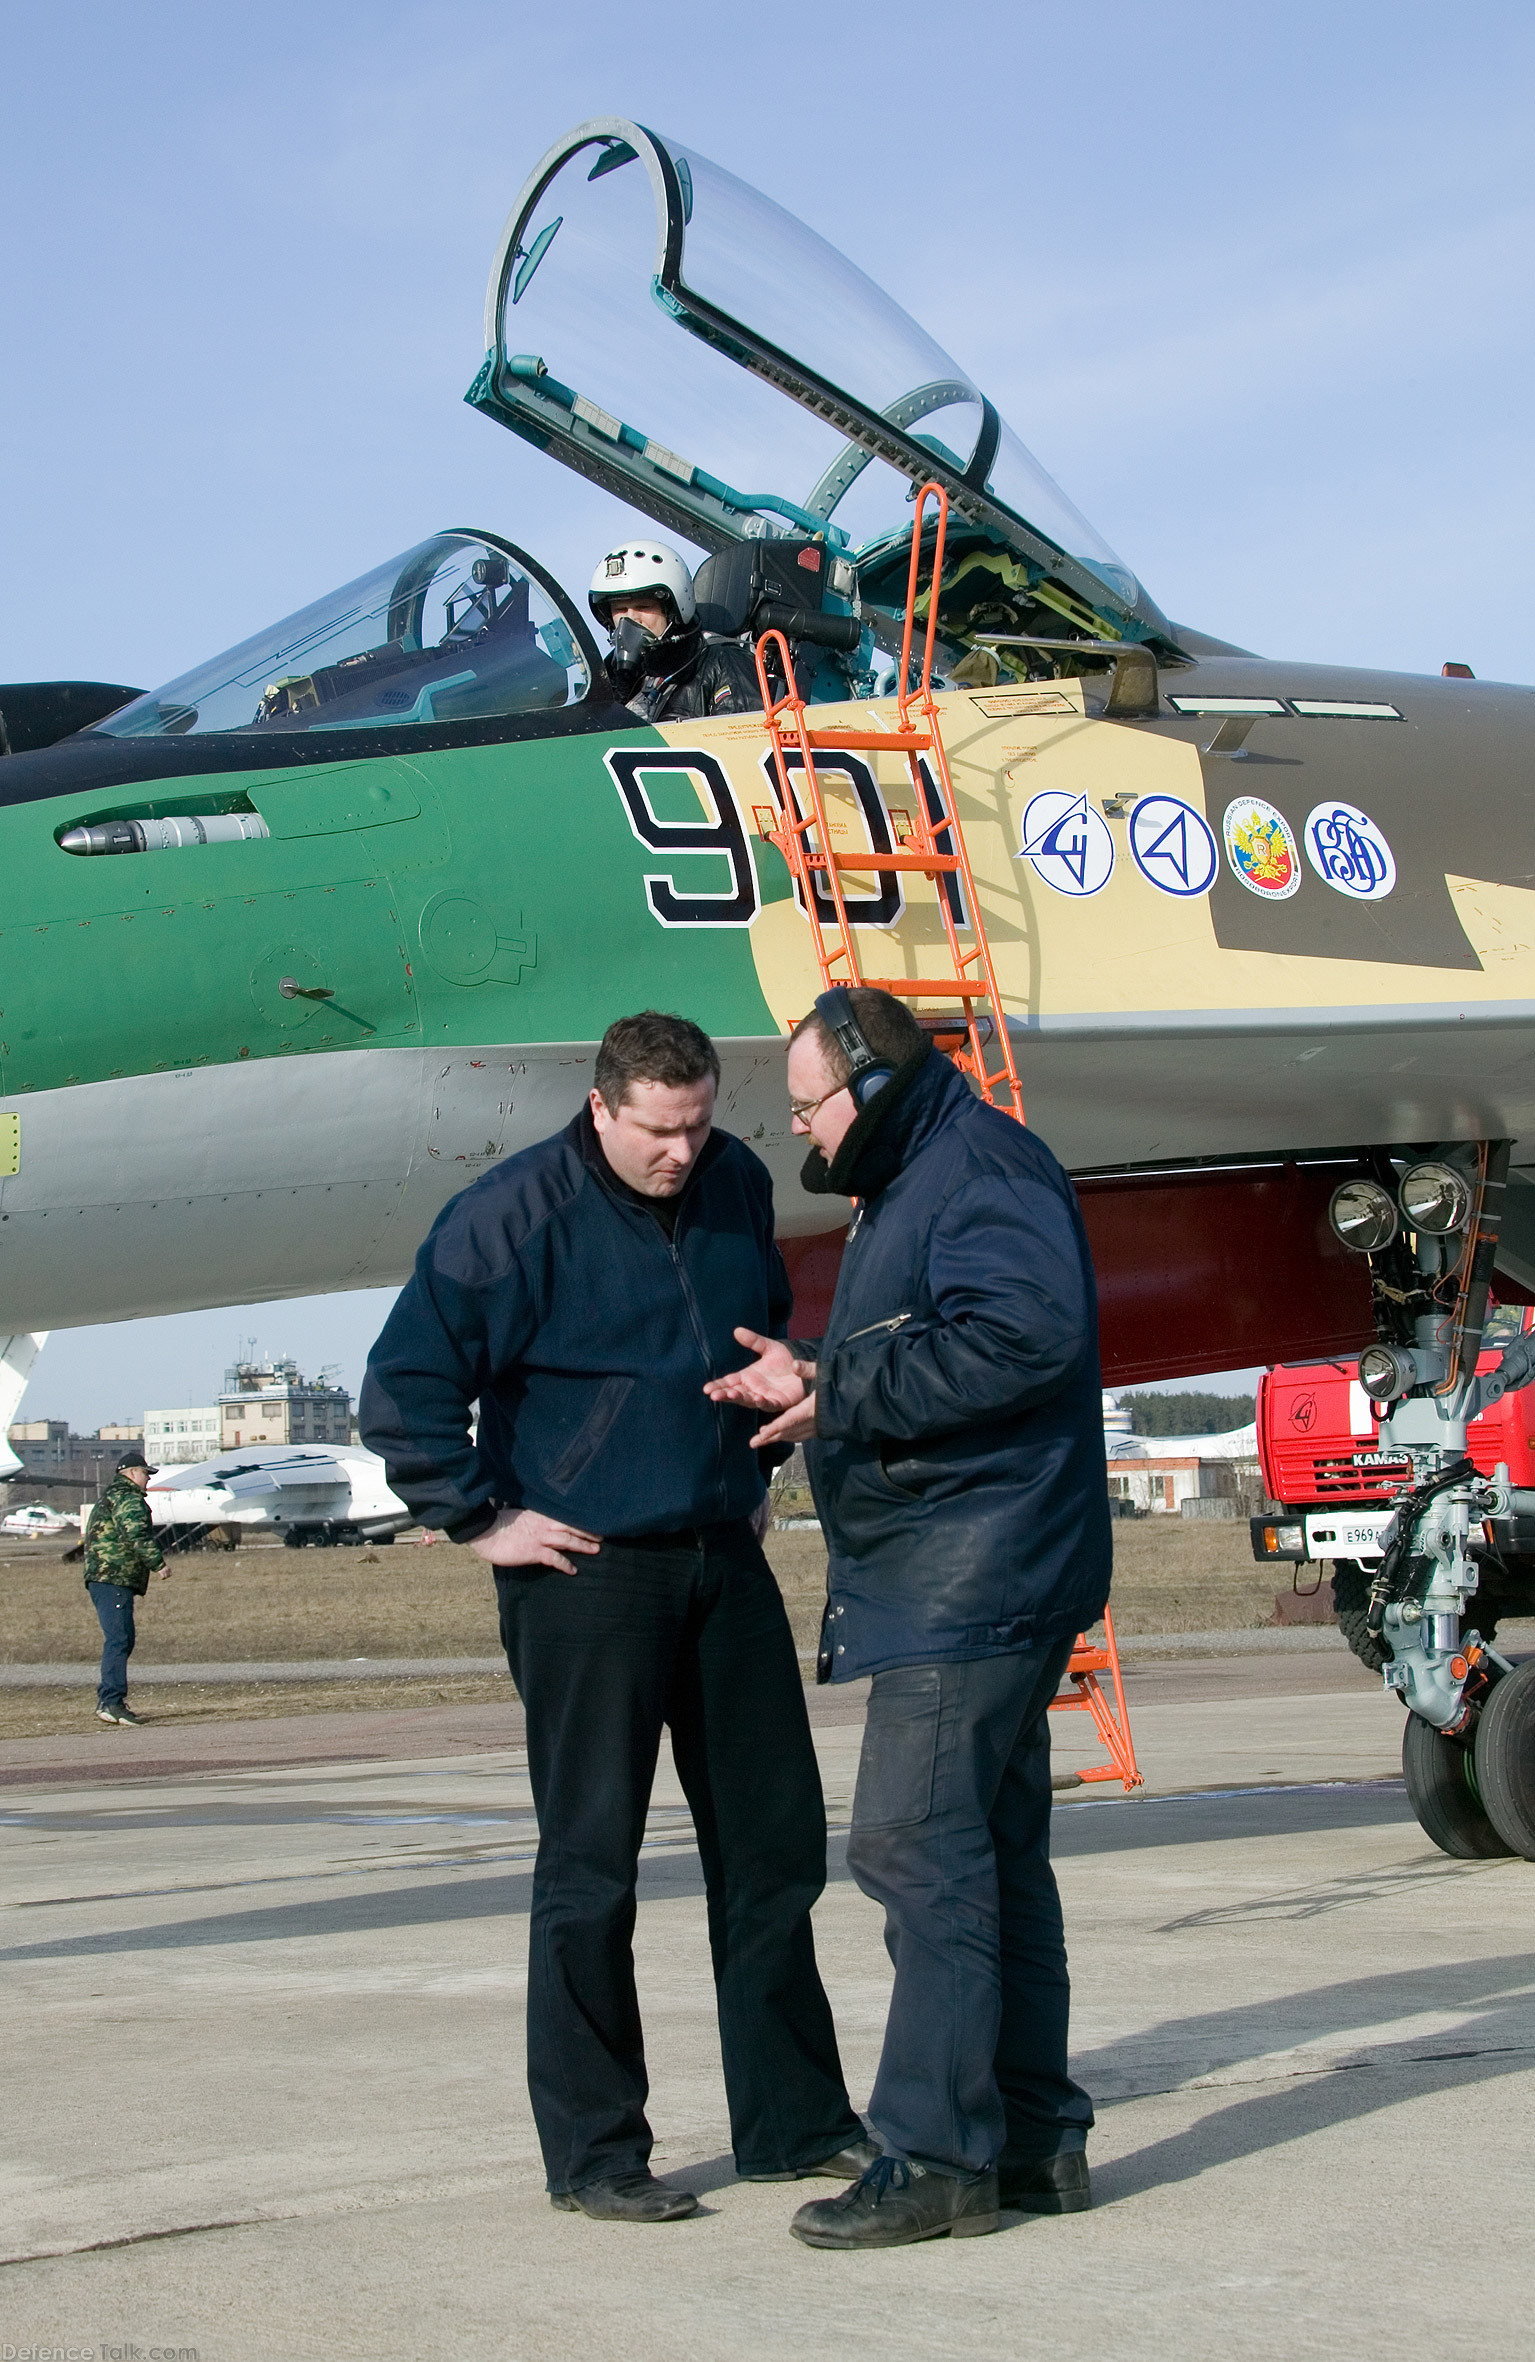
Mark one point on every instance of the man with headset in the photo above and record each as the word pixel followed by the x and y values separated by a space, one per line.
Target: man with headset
pixel 953 1425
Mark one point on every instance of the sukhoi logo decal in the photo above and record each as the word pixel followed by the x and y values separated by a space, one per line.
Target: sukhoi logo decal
pixel 1348 852
pixel 1068 844
pixel 1172 846
pixel 1261 848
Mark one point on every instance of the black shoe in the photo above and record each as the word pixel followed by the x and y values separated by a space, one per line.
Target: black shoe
pixel 1052 2185
pixel 126 1714
pixel 626 2198
pixel 843 2165
pixel 107 1714
pixel 896 2203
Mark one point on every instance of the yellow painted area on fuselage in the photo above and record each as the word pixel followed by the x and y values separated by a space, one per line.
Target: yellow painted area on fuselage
pixel 1129 948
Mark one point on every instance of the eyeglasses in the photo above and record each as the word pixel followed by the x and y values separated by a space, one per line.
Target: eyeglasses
pixel 801 1110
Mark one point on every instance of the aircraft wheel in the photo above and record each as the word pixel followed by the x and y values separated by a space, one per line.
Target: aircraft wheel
pixel 1442 1790
pixel 1351 1599
pixel 1505 1759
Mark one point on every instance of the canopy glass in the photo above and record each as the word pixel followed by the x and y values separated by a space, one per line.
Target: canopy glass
pixel 802 398
pixel 460 628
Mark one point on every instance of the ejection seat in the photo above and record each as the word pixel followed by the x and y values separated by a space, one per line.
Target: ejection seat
pixel 779 585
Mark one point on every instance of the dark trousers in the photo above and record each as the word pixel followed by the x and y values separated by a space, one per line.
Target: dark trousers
pixel 951 1832
pixel 695 1637
pixel 113 1603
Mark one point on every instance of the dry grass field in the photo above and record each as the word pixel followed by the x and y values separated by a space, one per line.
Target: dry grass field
pixel 265 1605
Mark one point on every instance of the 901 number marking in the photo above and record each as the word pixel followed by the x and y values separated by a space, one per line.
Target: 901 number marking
pixel 724 836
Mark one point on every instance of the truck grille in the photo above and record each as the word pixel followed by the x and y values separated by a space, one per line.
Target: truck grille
pixel 1334 1477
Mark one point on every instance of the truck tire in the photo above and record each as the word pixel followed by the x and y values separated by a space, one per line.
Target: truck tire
pixel 1505 1759
pixel 1442 1790
pixel 1351 1598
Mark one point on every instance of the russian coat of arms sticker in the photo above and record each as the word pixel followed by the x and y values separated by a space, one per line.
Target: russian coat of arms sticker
pixel 1261 848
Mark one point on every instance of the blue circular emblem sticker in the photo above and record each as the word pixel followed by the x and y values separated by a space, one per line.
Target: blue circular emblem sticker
pixel 1067 842
pixel 1172 846
pixel 1348 852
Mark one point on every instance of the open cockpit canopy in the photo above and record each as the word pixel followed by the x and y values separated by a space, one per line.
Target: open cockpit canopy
pixel 621 239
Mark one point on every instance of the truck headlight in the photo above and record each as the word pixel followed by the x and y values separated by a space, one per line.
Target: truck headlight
pixel 1362 1216
pixel 1435 1198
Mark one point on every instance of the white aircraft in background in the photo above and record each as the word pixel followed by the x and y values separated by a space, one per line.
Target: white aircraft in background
pixel 315 1493
pixel 38 1518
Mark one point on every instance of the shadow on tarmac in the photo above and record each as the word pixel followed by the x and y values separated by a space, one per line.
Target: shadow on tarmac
pixel 1308 2094
pixel 444 1891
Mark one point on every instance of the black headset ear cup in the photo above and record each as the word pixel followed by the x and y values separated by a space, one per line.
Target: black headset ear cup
pixel 867 1073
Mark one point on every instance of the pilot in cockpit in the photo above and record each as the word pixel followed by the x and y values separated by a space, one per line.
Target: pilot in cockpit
pixel 662 665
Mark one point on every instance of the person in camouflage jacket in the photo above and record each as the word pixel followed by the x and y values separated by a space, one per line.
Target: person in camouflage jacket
pixel 121 1554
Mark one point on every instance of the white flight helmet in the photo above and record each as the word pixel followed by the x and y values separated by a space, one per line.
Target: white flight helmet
pixel 638 566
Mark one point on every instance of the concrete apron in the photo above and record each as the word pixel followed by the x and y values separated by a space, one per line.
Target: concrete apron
pixel 267 2100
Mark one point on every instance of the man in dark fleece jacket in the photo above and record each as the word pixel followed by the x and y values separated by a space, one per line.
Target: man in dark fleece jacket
pixel 953 1427
pixel 584 1292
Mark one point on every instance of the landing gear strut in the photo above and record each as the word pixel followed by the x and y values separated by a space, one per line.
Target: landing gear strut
pixel 1468 1751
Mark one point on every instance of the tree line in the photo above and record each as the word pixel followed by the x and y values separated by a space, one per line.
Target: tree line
pixel 1152 1413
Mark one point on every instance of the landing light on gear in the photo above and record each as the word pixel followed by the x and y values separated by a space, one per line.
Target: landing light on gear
pixel 1362 1216
pixel 1435 1198
pixel 1385 1371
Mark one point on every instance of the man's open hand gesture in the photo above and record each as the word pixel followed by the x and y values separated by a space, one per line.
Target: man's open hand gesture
pixel 775 1382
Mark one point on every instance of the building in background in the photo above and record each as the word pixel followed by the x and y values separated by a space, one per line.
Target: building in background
pixel 187 1434
pixel 1181 1475
pixel 268 1402
pixel 77 1468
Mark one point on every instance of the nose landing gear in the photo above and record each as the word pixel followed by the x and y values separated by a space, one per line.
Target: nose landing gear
pixel 1468 1750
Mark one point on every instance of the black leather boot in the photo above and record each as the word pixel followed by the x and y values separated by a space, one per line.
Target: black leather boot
pixel 898 2202
pixel 843 2165
pixel 1051 2185
pixel 626 2198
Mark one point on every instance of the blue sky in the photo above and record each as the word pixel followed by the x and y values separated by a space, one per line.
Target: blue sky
pixel 1253 283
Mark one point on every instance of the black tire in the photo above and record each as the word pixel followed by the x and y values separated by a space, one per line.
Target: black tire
pixel 1442 1790
pixel 1351 1598
pixel 1505 1759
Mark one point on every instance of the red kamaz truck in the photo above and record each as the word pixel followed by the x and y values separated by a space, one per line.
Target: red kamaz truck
pixel 1319 1449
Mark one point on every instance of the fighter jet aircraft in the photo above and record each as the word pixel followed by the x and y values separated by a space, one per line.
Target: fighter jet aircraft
pixel 306 1494
pixel 297 944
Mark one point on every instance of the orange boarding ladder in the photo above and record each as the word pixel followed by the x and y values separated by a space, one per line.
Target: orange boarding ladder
pixel 936 846
pixel 937 849
pixel 1086 1696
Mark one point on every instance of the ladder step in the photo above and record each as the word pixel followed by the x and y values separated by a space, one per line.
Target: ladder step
pixel 943 988
pixel 872 741
pixel 931 862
